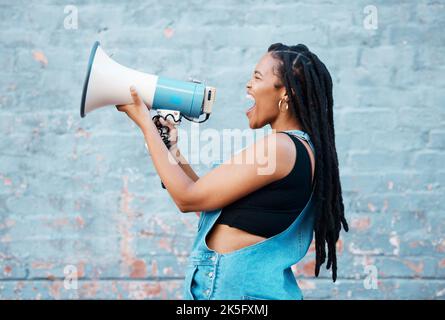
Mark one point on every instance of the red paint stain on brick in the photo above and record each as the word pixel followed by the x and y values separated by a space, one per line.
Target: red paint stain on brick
pixel 165 244
pixel 417 268
pixel 139 269
pixel 90 289
pixel 442 263
pixel 361 223
pixel 167 229
pixel 339 246
pixel 80 222
pixel 152 290
pixel 54 289
pixel 307 269
pixel 168 32
pixel 7 270
pixel 40 57
pixel 41 265
pixel 7 181
pixel 126 250
pixel 154 268
pixel 81 269
pixel 126 198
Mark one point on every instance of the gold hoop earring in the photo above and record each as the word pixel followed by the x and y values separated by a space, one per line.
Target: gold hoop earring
pixel 279 105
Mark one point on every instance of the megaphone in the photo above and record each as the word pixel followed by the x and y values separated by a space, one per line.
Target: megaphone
pixel 107 83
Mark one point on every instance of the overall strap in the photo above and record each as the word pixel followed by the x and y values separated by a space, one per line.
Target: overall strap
pixel 301 134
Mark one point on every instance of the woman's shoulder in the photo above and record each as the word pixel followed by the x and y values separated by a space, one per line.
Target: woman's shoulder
pixel 280 151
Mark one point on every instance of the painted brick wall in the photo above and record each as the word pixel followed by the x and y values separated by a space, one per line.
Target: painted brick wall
pixel 81 195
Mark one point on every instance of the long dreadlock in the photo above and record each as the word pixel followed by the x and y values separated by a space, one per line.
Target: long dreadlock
pixel 309 87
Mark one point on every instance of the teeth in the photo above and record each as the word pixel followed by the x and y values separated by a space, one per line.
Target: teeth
pixel 248 96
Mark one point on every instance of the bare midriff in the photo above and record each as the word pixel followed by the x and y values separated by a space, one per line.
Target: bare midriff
pixel 225 239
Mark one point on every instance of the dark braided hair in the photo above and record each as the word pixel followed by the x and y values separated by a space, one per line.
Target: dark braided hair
pixel 309 88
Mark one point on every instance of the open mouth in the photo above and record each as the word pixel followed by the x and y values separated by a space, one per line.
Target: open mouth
pixel 248 96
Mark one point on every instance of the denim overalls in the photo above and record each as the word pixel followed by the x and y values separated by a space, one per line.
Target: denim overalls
pixel 258 271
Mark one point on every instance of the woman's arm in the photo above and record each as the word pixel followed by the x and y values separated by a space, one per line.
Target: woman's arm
pixel 172 132
pixel 268 160
pixel 245 172
pixel 183 163
pixel 184 166
pixel 174 150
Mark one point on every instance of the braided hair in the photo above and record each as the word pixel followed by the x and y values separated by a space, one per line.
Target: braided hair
pixel 309 88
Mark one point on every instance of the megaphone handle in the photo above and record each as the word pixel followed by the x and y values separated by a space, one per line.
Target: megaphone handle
pixel 164 136
pixel 163 131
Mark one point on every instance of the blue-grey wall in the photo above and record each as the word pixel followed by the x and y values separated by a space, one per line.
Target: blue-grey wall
pixel 83 193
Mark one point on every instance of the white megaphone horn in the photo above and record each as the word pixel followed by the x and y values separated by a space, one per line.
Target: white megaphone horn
pixel 107 83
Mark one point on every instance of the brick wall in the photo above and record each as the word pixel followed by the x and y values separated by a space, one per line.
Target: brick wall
pixel 81 195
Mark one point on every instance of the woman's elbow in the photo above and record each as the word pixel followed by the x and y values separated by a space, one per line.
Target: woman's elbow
pixel 182 206
pixel 189 201
pixel 198 206
pixel 186 207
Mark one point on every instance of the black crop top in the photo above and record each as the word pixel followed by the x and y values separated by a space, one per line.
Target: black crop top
pixel 272 208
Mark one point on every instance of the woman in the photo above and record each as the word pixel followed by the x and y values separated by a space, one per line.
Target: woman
pixel 246 249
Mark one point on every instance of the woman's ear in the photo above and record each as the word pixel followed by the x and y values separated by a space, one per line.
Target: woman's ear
pixel 286 95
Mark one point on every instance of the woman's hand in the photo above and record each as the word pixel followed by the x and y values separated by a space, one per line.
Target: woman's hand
pixel 138 111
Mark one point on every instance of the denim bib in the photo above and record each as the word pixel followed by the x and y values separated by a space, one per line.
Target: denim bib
pixel 260 271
